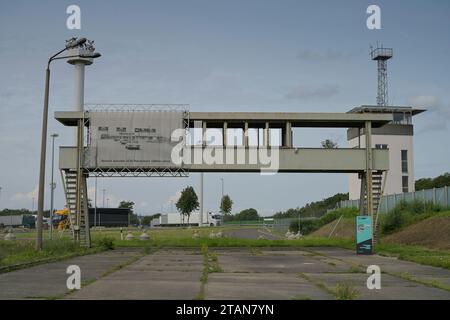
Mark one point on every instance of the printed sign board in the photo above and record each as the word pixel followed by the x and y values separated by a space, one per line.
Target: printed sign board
pixel 132 139
pixel 364 235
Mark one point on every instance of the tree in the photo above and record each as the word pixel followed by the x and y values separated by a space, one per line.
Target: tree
pixel 226 204
pixel 147 220
pixel 329 144
pixel 187 202
pixel 134 219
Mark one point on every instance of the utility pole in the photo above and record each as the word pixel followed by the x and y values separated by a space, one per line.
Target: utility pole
pixel 52 186
pixel 95 203
pixel 104 190
pixel 201 199
pixel 222 187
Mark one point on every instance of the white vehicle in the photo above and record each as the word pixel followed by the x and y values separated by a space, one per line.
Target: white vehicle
pixel 175 219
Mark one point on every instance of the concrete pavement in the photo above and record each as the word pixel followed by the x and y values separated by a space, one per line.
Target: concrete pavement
pixel 244 273
pixel 49 280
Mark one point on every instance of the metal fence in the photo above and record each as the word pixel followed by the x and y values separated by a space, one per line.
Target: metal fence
pixel 438 196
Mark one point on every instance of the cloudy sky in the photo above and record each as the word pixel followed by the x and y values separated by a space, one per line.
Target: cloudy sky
pixel 228 55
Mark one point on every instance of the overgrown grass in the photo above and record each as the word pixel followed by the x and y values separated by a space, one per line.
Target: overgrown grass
pixel 422 255
pixel 14 253
pixel 233 242
pixel 407 213
pixel 345 291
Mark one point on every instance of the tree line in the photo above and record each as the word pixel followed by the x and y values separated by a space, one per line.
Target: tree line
pixel 430 183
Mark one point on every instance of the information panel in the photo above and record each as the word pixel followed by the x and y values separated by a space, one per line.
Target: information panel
pixel 132 139
pixel 364 235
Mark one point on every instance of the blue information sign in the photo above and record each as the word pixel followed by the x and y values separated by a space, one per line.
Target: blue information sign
pixel 364 235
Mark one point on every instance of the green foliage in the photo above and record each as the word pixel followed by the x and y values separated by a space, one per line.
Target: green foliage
pixel 329 144
pixel 313 209
pixel 306 226
pixel 344 291
pixel 225 205
pixel 187 202
pixel 126 205
pixel 437 182
pixel 245 215
pixel 134 219
pixel 105 243
pixel 406 213
pixel 310 225
pixel 147 220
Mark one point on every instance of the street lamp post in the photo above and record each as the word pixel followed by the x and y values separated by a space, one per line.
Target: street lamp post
pixel 104 190
pixel 70 44
pixel 52 186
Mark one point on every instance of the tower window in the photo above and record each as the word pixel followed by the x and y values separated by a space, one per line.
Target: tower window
pixel 405 161
pixel 405 184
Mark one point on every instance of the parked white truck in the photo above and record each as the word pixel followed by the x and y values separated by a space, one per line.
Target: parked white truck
pixel 175 219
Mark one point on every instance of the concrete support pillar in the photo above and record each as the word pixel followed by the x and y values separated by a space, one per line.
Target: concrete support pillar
pixel 368 136
pixel 204 133
pixel 266 136
pixel 245 138
pixel 224 134
pixel 201 199
pixel 288 135
pixel 79 86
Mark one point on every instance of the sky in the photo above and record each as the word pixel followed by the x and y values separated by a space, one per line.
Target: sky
pixel 295 56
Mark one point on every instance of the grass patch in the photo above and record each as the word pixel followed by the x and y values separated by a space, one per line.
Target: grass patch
pixel 355 269
pixel 210 265
pixel 17 254
pixel 345 291
pixel 422 255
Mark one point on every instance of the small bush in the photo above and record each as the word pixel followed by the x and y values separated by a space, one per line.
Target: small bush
pixel 344 291
pixel 106 243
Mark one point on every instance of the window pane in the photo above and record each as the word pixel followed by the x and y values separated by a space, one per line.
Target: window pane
pixel 405 183
pixel 404 155
pixel 404 161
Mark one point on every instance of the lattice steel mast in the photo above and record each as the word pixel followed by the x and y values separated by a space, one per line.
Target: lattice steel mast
pixel 382 55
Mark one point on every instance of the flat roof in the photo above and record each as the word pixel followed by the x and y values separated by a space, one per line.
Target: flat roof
pixel 387 109
pixel 298 119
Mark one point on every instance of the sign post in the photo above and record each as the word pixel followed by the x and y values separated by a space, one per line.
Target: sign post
pixel 364 244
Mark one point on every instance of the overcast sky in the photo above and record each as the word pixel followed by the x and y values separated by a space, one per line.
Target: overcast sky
pixel 303 56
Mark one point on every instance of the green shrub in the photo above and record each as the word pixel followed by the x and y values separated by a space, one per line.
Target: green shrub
pixel 306 226
pixel 406 213
pixel 106 243
pixel 311 225
pixel 393 221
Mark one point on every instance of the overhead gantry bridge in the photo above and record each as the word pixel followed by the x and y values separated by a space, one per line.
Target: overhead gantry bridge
pixel 291 159
pixel 368 162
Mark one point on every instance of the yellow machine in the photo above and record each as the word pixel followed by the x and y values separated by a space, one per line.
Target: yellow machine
pixel 64 223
